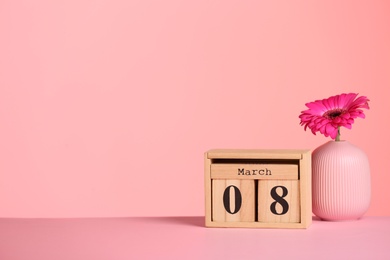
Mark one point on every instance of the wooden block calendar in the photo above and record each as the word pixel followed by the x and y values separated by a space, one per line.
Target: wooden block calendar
pixel 258 188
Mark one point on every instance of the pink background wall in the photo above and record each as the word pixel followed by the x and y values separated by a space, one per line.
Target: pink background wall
pixel 106 107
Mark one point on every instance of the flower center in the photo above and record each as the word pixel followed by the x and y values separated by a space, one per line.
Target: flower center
pixel 331 114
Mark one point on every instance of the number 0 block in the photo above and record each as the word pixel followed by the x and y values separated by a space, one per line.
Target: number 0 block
pixel 233 200
pixel 258 188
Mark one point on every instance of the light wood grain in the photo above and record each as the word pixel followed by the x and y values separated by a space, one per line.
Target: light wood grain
pixel 306 191
pixel 254 171
pixel 207 188
pixel 300 215
pixel 265 201
pixel 246 210
pixel 255 154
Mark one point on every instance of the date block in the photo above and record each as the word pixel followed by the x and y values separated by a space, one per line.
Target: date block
pixel 233 200
pixel 258 188
pixel 278 201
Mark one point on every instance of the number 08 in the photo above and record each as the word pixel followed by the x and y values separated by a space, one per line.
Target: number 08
pixel 238 200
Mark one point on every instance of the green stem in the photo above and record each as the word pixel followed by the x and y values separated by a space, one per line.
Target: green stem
pixel 338 135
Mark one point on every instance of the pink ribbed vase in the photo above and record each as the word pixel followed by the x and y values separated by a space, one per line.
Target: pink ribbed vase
pixel 341 181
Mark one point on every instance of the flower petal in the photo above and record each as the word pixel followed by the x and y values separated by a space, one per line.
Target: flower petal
pixel 326 115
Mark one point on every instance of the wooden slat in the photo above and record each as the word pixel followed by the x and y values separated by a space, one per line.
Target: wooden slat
pixel 254 225
pixel 207 187
pixel 255 154
pixel 305 187
pixel 254 171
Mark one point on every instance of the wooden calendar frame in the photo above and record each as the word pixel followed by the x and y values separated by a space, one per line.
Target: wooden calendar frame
pixel 219 164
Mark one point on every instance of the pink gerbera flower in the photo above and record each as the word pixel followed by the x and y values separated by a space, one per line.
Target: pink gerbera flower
pixel 328 115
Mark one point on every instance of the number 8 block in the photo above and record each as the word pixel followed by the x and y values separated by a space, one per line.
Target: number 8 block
pixel 278 201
